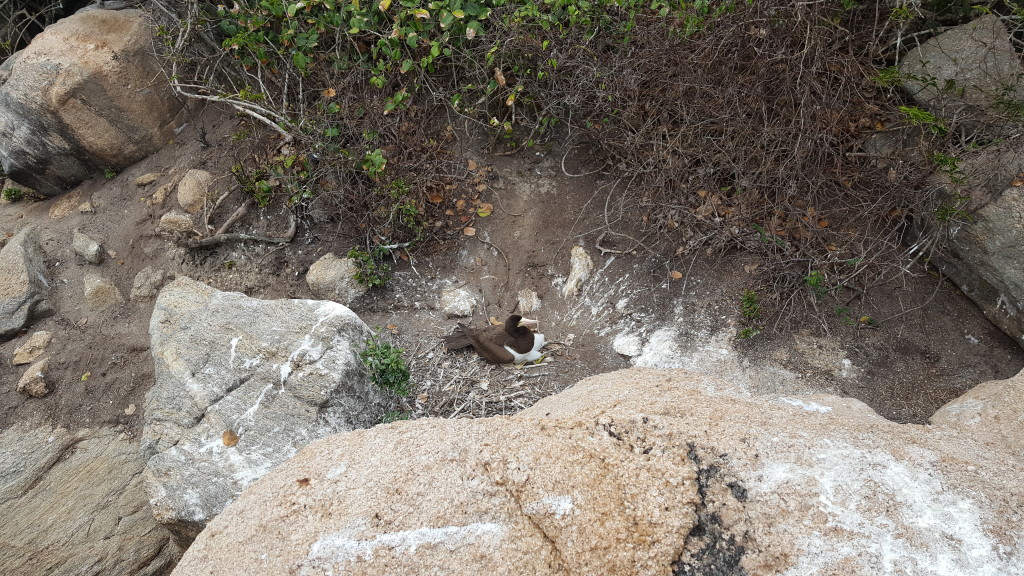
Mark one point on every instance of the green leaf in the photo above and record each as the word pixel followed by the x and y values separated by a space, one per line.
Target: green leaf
pixel 406 66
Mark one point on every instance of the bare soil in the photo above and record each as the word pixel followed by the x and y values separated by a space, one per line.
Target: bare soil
pixel 932 346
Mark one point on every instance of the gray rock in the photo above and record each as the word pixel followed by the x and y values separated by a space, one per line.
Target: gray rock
pixel 194 190
pixel 580 266
pixel 100 293
pixel 965 73
pixel 86 94
pixel 33 381
pixel 457 302
pixel 985 253
pixel 147 283
pixel 73 503
pixel 88 248
pixel 23 286
pixel 241 385
pixel 333 278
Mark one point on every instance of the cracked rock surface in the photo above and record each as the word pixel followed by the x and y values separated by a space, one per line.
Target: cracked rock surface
pixel 641 472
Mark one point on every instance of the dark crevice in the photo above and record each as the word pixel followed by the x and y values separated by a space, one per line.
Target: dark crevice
pixel 710 549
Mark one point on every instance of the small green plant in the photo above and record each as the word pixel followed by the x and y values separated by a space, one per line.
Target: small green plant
pixel 954 209
pixel 949 165
pixel 748 333
pixel 394 416
pixel 371 270
pixel 13 194
pixel 750 305
pixel 109 173
pixel 888 77
pixel 374 163
pixel 388 370
pixel 919 117
pixel 816 282
pixel 901 14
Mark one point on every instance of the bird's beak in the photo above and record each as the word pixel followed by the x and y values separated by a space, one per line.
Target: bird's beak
pixel 531 324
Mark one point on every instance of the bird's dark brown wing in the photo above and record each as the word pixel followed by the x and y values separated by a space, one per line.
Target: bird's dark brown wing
pixel 489 342
pixel 458 338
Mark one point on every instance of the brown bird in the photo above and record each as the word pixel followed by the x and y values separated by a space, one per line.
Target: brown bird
pixel 511 343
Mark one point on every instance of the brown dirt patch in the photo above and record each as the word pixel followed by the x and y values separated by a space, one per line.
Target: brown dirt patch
pixel 904 369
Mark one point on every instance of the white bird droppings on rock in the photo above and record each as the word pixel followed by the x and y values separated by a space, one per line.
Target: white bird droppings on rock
pixel 628 344
pixel 580 266
pixel 457 303
pixel 528 301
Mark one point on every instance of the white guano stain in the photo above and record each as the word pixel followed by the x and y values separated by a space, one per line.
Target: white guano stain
pixel 340 548
pixel 806 405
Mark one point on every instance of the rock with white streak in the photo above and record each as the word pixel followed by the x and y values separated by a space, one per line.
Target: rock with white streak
pixel 528 300
pixel 642 472
pixel 580 266
pixel 241 385
pixel 457 303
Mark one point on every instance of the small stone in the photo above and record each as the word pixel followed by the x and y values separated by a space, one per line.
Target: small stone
pixel 628 344
pixel 528 301
pixel 175 221
pixel 86 208
pixel 333 278
pixel 32 348
pixel 457 303
pixel 129 410
pixel 580 266
pixel 147 283
pixel 33 381
pixel 194 190
pixel 158 197
pixel 100 293
pixel 88 248
pixel 146 179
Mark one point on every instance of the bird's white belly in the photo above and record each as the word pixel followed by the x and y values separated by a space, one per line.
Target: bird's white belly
pixel 531 356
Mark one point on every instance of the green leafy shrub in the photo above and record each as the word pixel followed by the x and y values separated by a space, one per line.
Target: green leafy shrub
pixel 387 368
pixel 371 269
pixel 13 194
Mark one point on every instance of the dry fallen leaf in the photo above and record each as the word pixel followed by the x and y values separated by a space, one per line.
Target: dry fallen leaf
pixel 675 274
pixel 229 438
pixel 435 198
pixel 422 398
pixel 822 223
pixel 1017 182
pixel 303 482
pixel 460 203
pixel 750 268
pixel 471 165
pixel 481 187
pixel 329 93
pixel 494 321
pixel 484 210
pixel 449 212
pixel 680 250
pixel 469 231
pixel 499 77
pixel 392 328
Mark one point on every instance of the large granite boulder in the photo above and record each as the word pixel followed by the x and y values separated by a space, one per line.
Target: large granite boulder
pixel 969 75
pixel 86 94
pixel 241 385
pixel 984 252
pixel 639 472
pixel 23 286
pixel 73 503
